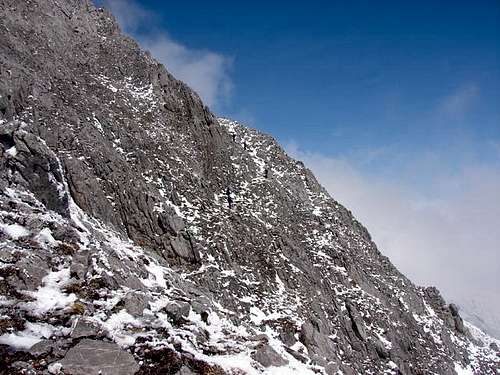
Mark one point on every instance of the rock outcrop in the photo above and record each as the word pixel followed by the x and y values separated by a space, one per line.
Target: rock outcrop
pixel 141 234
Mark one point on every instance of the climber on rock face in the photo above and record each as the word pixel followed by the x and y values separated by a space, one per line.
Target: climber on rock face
pixel 266 173
pixel 234 137
pixel 229 198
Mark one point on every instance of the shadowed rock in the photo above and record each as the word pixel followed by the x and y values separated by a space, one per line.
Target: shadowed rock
pixel 268 357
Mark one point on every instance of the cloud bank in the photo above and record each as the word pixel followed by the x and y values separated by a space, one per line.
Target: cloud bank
pixel 206 72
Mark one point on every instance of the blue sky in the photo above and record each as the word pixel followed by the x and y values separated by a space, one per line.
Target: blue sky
pixel 395 105
pixel 345 76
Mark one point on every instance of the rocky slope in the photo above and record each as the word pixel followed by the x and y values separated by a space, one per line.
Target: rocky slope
pixel 475 312
pixel 140 234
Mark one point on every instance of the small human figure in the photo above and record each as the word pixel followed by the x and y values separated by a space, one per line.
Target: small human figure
pixel 266 173
pixel 234 137
pixel 229 198
pixel 244 145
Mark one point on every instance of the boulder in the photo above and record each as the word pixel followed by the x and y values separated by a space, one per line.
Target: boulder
pixel 185 371
pixel 268 357
pixel 380 349
pixel 177 311
pixel 169 222
pixel 184 249
pixel 135 303
pixel 84 328
pixel 92 357
pixel 314 335
pixel 40 169
pixel 52 347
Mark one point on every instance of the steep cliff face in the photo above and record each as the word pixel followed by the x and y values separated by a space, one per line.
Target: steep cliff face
pixel 140 234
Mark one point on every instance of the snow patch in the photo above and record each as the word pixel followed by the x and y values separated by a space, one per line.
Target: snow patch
pixel 117 326
pixel 45 238
pixel 15 231
pixel 463 370
pixel 12 152
pixel 156 276
pixel 32 334
pixel 49 297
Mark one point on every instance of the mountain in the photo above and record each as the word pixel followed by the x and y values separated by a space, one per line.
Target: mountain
pixel 140 234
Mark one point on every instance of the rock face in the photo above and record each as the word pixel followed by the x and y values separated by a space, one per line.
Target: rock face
pixel 141 234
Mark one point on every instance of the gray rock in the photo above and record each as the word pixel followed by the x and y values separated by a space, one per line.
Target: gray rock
pixel 202 336
pixel 185 371
pixel 177 311
pixel 80 264
pixel 347 370
pixel 457 321
pixel 262 337
pixel 314 335
pixel 39 167
pixel 135 303
pixel 34 270
pixel 404 368
pixel 85 328
pixel 453 309
pixel 459 324
pixel 183 248
pixel 55 348
pixel 300 357
pixel 268 357
pixel 92 357
pixel 7 256
pixel 23 367
pixel 287 335
pixel 332 368
pixel 171 223
pixel 357 321
pixel 201 305
pixel 380 349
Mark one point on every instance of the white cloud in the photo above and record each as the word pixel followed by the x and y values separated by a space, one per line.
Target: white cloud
pixel 130 15
pixel 444 232
pixel 457 103
pixel 206 72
